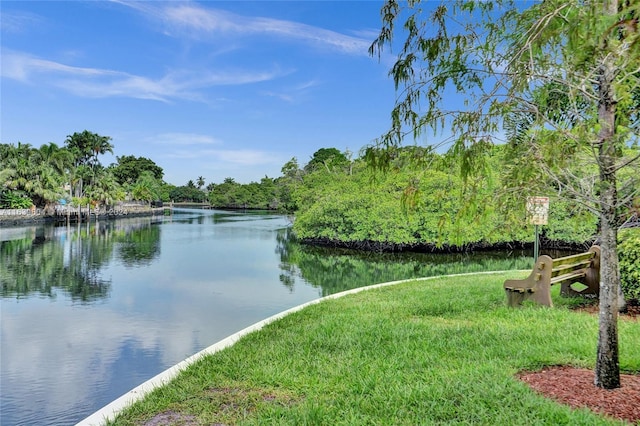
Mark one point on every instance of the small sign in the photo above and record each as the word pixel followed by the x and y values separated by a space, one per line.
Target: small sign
pixel 538 210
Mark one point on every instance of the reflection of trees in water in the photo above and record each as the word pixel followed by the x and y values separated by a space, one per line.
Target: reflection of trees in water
pixel 139 246
pixel 71 259
pixel 334 270
pixel 67 261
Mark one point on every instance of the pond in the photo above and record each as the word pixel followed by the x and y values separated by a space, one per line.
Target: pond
pixel 90 311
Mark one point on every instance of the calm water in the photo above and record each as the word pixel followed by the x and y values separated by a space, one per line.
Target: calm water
pixel 90 311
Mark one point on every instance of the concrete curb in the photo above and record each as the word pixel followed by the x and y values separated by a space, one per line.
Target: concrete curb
pixel 109 411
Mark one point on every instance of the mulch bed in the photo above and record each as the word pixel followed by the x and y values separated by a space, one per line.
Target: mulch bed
pixel 574 386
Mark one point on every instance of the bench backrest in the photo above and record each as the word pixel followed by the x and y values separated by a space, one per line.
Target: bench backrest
pixel 583 268
pixel 582 258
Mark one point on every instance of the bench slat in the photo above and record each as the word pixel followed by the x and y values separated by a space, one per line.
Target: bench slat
pixel 576 258
pixel 568 277
pixel 562 269
pixel 521 290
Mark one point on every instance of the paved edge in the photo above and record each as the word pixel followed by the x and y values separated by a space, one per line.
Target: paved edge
pixel 109 411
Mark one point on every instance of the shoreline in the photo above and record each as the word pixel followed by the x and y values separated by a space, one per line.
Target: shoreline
pixel 27 217
pixel 390 247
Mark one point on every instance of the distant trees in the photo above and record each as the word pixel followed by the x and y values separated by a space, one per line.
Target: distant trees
pixel 200 182
pixel 146 188
pixel 277 194
pixel 42 176
pixel 128 169
pixel 329 158
pixel 85 147
pixel 31 175
pixel 187 193
pixel 255 195
pixel 140 176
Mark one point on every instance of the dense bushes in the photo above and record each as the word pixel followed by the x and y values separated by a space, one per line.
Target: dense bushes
pixel 629 256
pixel 14 200
pixel 406 208
pixel 254 195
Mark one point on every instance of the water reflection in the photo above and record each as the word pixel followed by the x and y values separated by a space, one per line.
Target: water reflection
pixel 45 259
pixel 335 270
pixel 91 311
pixel 139 246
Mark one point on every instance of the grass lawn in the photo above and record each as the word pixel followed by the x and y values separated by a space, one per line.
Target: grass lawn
pixel 439 351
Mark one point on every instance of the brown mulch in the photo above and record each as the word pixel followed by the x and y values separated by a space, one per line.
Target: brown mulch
pixel 574 386
pixel 632 313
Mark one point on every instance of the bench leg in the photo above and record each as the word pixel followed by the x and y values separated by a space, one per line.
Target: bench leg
pixel 514 298
pixel 542 295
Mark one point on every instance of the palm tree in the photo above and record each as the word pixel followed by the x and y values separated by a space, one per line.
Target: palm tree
pixel 85 148
pixel 59 158
pixel 28 169
pixel 146 188
pixel 106 189
pixel 200 182
pixel 100 145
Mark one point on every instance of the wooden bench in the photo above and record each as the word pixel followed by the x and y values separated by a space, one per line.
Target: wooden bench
pixel 581 268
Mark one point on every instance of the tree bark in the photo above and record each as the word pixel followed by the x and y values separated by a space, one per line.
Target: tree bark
pixel 607 371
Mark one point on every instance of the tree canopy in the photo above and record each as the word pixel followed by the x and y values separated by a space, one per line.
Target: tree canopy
pixel 129 168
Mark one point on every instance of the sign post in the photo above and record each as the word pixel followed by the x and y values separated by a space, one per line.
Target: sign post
pixel 538 211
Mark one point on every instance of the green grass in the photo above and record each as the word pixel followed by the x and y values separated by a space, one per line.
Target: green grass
pixel 441 351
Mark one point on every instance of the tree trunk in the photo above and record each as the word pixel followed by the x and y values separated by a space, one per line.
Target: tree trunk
pixel 607 371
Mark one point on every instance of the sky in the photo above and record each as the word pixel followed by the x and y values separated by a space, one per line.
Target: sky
pixel 203 88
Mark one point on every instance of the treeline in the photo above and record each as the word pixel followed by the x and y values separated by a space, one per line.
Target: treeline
pixel 420 201
pixel 424 205
pixel 417 201
pixel 73 173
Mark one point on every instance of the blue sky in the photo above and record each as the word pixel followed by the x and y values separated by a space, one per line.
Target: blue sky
pixel 210 88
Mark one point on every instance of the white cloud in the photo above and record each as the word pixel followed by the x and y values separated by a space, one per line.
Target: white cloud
pixel 236 157
pixel 101 83
pixel 19 22
pixel 183 139
pixel 200 22
pixel 22 67
pixel 292 94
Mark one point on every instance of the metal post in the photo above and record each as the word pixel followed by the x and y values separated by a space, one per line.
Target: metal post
pixel 536 246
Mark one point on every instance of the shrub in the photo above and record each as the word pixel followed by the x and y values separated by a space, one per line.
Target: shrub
pixel 629 256
pixel 14 200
